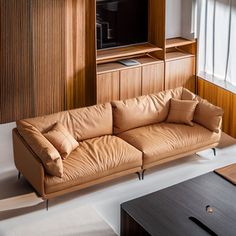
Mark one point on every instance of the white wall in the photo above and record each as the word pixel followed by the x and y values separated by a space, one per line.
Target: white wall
pixel 173 18
pixel 179 18
pixel 6 147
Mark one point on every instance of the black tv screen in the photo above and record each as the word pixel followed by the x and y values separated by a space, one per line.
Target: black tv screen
pixel 121 22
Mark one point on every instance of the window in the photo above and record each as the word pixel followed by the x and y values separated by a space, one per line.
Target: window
pixel 217 39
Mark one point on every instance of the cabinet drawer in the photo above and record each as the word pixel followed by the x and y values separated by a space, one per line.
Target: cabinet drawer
pixel 130 83
pixel 107 87
pixel 181 72
pixel 152 78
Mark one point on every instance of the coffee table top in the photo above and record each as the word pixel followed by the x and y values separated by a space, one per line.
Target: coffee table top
pixel 167 212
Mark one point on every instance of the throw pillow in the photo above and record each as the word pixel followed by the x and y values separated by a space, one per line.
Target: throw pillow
pixel 181 111
pixel 61 139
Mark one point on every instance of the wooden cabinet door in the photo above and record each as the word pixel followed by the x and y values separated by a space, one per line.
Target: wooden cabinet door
pixel 180 72
pixel 107 87
pixel 130 83
pixel 152 78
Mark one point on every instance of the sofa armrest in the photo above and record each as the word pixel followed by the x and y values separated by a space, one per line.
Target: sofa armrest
pixel 208 115
pixel 28 163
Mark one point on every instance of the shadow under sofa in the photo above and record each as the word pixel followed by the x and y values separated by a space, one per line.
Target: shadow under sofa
pixel 115 139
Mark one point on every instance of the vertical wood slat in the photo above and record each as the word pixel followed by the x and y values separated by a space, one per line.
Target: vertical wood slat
pixel 15 60
pixel 48 56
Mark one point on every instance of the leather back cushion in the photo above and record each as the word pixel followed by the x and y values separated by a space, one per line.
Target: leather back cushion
pixel 208 115
pixel 141 111
pixel 82 123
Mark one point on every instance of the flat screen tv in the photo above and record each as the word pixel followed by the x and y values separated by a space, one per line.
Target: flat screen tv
pixel 121 22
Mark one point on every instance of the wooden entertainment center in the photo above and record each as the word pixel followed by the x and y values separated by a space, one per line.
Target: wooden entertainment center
pixel 49 61
pixel 164 63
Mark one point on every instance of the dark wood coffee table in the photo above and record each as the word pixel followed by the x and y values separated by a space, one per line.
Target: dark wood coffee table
pixel 205 205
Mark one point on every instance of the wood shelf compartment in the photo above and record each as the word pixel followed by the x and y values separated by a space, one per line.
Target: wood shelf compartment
pixel 116 66
pixel 175 55
pixel 177 42
pixel 127 51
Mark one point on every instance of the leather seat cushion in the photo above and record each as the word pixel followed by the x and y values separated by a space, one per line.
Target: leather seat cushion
pixel 163 140
pixel 94 159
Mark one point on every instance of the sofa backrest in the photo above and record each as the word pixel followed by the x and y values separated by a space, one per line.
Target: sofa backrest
pixel 82 123
pixel 144 110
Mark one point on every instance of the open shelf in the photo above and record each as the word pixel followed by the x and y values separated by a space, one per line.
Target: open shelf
pixel 176 42
pixel 116 66
pixel 177 55
pixel 122 52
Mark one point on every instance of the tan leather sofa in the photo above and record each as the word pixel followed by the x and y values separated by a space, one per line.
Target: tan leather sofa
pixel 115 139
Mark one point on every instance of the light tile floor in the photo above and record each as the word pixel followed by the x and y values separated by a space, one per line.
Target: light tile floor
pixel 106 198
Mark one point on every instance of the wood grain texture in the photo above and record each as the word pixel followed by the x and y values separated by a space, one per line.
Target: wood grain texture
pixel 90 59
pixel 178 41
pixel 130 83
pixel 120 52
pixel 167 211
pixel 116 66
pixel 152 78
pixel 157 26
pixel 108 87
pixel 47 21
pixel 176 55
pixel 47 57
pixel 16 93
pixel 31 58
pixel 80 53
pixel 222 98
pixel 180 73
pixel 156 22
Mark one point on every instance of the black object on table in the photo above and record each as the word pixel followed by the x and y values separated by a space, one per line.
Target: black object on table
pixel 205 205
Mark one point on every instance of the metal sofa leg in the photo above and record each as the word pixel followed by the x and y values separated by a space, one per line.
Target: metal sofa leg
pixel 143 174
pixel 214 151
pixel 139 175
pixel 18 176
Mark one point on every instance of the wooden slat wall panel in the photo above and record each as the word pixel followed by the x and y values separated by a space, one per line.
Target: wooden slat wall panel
pixel 221 98
pixel 47 56
pixel 16 94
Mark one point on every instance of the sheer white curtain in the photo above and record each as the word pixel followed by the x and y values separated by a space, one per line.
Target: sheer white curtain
pixel 217 39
